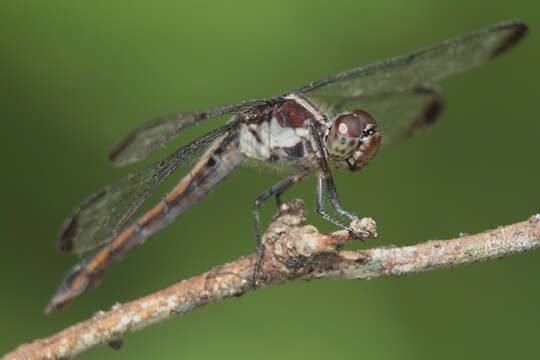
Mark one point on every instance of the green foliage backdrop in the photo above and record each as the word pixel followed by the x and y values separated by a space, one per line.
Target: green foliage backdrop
pixel 78 76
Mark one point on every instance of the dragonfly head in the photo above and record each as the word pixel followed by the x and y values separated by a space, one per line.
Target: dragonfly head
pixel 353 140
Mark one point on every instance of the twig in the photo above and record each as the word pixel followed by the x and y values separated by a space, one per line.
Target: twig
pixel 293 252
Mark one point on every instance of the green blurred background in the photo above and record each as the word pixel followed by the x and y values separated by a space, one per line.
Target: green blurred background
pixel 78 76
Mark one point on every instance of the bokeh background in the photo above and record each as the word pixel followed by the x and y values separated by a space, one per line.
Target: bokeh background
pixel 78 76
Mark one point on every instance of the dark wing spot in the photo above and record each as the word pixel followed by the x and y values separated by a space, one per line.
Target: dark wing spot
pixel 113 156
pixel 65 241
pixel 511 40
pixel 431 111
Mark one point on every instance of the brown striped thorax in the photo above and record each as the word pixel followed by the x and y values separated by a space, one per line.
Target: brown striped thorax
pixel 351 139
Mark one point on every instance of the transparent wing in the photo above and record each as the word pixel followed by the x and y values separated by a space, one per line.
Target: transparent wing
pixel 422 67
pixel 104 213
pixel 398 115
pixel 156 133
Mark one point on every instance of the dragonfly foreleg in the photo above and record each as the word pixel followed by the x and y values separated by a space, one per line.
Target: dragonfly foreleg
pixel 334 200
pixel 325 177
pixel 276 190
pixel 320 205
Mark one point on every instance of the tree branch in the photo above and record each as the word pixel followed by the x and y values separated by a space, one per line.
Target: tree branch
pixel 293 252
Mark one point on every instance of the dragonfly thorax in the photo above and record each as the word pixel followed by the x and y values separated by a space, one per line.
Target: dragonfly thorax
pixel 353 139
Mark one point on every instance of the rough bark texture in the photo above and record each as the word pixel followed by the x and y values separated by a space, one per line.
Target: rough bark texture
pixel 293 252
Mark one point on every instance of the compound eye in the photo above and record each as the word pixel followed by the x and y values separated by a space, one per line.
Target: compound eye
pixel 347 131
pixel 349 126
pixel 355 124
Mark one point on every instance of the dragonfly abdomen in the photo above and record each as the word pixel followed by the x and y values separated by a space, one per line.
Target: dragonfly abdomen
pixel 214 166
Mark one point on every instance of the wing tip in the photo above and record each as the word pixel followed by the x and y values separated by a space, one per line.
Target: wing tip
pixel 115 156
pixel 520 30
pixel 432 109
pixel 65 240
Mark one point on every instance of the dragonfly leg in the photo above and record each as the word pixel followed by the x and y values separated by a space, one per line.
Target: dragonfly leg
pixel 334 200
pixel 274 190
pixel 295 178
pixel 278 200
pixel 325 177
pixel 320 206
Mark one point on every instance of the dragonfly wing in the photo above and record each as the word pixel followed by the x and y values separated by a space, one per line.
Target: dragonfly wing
pixel 156 133
pixel 426 66
pixel 104 213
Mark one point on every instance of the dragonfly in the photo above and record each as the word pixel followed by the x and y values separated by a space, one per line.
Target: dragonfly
pixel 338 122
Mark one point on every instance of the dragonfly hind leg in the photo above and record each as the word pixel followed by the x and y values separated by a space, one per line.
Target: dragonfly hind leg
pixel 276 191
